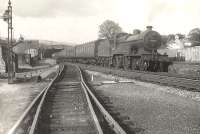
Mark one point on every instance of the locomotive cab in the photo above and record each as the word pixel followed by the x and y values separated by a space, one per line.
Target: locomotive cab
pixel 139 51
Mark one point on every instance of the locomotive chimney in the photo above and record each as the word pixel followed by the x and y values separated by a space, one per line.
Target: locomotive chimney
pixel 149 27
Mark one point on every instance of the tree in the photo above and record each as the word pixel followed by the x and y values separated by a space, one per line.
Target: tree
pixel 194 35
pixel 180 36
pixel 171 37
pixel 108 29
pixel 136 31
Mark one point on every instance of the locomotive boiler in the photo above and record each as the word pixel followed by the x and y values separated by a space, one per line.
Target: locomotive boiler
pixel 139 51
pixel 136 51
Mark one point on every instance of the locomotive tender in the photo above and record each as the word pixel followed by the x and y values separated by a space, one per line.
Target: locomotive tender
pixel 136 51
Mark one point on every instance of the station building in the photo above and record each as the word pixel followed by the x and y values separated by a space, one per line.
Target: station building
pixel 3 57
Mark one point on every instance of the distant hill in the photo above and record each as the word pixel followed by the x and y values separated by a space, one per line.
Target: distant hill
pixel 53 44
pixel 39 44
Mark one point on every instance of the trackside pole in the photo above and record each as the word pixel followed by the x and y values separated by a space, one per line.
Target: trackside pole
pixel 92 77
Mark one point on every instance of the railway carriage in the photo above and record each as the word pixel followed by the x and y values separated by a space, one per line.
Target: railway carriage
pixel 86 53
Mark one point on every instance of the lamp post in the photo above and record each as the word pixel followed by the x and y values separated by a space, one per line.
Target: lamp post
pixel 7 16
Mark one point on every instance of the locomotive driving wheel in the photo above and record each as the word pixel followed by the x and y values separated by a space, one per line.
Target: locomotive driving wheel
pixel 114 61
pixel 118 61
pixel 135 63
pixel 126 62
pixel 143 65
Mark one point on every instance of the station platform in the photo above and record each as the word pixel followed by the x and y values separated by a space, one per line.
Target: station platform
pixel 15 98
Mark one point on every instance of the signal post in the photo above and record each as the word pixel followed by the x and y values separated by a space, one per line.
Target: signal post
pixel 7 16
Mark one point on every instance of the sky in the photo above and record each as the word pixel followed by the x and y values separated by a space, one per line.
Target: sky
pixel 78 21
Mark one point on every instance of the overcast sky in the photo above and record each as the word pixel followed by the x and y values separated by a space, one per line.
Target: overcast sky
pixel 78 20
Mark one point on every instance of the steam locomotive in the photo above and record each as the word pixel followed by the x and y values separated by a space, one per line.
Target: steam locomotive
pixel 137 51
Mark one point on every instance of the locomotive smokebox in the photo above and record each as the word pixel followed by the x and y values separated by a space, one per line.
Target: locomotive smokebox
pixel 149 27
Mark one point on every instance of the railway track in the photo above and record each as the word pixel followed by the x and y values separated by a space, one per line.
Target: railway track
pixel 67 105
pixel 176 80
pixel 65 108
pixel 186 76
pixel 169 80
pixel 117 113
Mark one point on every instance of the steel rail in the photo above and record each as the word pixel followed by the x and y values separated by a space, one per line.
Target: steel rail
pixel 180 76
pixel 114 124
pixel 184 76
pixel 96 121
pixel 26 112
pixel 163 79
pixel 35 121
pixel 34 124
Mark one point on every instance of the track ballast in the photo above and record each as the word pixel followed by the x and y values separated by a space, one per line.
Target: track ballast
pixel 67 106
